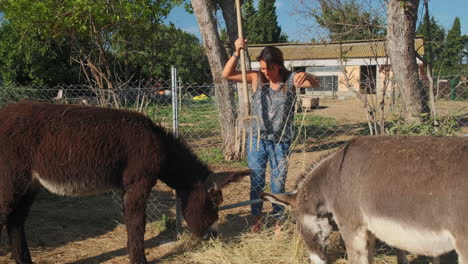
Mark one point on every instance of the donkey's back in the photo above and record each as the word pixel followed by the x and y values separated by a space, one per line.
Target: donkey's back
pixel 75 150
pixel 410 192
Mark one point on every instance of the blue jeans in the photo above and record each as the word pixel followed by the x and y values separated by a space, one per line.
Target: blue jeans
pixel 277 154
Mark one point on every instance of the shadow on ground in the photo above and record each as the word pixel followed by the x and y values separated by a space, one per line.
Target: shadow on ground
pixel 55 221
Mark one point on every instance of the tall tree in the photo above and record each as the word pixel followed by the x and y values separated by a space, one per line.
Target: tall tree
pixel 401 32
pixel 229 15
pixel 347 20
pixel 465 49
pixel 217 57
pixel 264 28
pixel 248 15
pixel 248 10
pixel 454 45
pixel 436 41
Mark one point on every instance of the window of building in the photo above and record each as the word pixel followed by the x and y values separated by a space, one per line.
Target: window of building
pixel 327 83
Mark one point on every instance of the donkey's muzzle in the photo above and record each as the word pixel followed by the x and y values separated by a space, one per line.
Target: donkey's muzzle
pixel 212 231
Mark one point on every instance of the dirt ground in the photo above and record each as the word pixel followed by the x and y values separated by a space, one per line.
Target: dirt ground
pixel 90 230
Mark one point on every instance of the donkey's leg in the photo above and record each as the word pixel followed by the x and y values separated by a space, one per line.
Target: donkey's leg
pixel 461 247
pixel 135 196
pixel 401 256
pixel 15 226
pixel 371 240
pixel 2 253
pixel 357 244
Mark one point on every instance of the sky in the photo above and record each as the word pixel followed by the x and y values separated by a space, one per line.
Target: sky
pixel 299 28
pixel 302 29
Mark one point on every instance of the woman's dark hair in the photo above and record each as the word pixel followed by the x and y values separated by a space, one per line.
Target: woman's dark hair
pixel 272 55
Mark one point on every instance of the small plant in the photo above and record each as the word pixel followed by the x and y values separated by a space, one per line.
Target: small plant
pixel 438 126
pixel 166 224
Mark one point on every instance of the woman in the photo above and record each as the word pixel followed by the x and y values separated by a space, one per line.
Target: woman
pixel 273 97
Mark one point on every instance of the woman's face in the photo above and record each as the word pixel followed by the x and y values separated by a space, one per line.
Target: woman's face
pixel 271 74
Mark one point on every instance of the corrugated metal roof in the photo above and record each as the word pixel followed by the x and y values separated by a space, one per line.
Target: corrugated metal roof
pixel 350 49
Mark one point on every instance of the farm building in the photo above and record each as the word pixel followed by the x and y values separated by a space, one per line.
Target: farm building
pixel 366 63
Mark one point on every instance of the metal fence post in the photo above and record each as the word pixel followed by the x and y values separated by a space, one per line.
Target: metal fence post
pixel 175 128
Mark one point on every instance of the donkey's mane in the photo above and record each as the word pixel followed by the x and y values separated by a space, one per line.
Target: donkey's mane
pixel 307 173
pixel 193 170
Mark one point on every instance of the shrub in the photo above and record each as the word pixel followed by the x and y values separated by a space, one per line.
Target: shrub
pixel 437 126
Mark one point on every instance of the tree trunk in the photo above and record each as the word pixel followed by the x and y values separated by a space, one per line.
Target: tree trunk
pixel 229 15
pixel 230 19
pixel 401 26
pixel 224 95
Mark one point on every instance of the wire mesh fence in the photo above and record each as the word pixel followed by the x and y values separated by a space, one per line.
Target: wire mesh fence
pixel 321 120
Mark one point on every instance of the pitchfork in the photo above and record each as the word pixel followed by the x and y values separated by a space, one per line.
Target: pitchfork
pixel 245 93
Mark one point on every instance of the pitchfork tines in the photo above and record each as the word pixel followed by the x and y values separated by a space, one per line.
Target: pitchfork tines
pixel 242 129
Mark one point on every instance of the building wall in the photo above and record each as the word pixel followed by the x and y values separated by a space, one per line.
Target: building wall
pixel 353 68
pixel 353 73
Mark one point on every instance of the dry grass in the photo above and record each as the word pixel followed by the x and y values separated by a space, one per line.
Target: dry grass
pixel 247 248
pixel 266 248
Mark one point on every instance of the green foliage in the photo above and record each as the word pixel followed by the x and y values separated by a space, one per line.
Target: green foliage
pixel 165 224
pixel 86 18
pixel 346 20
pixel 447 49
pixel 262 24
pixel 436 43
pixel 465 44
pixel 113 40
pixel 31 59
pixel 248 16
pixel 438 126
pixel 248 11
pixel 161 47
pixel 453 51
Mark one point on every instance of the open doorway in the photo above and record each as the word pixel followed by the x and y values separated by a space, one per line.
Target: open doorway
pixel 368 79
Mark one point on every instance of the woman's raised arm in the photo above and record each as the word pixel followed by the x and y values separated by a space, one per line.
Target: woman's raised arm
pixel 230 72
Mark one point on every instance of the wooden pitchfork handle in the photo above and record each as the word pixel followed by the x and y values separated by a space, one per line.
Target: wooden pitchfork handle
pixel 245 92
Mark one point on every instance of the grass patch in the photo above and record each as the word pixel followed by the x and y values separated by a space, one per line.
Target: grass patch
pixel 211 155
pixel 195 120
pixel 215 156
pixel 318 127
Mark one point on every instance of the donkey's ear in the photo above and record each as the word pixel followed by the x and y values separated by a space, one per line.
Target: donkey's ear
pixel 285 199
pixel 220 179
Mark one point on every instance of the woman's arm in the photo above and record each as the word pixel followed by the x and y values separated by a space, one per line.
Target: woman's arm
pixel 230 72
pixel 305 80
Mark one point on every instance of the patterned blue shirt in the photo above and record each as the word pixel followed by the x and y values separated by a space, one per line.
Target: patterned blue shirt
pixel 275 111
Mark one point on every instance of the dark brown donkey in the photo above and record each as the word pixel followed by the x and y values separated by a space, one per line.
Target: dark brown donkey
pixel 410 192
pixel 76 150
